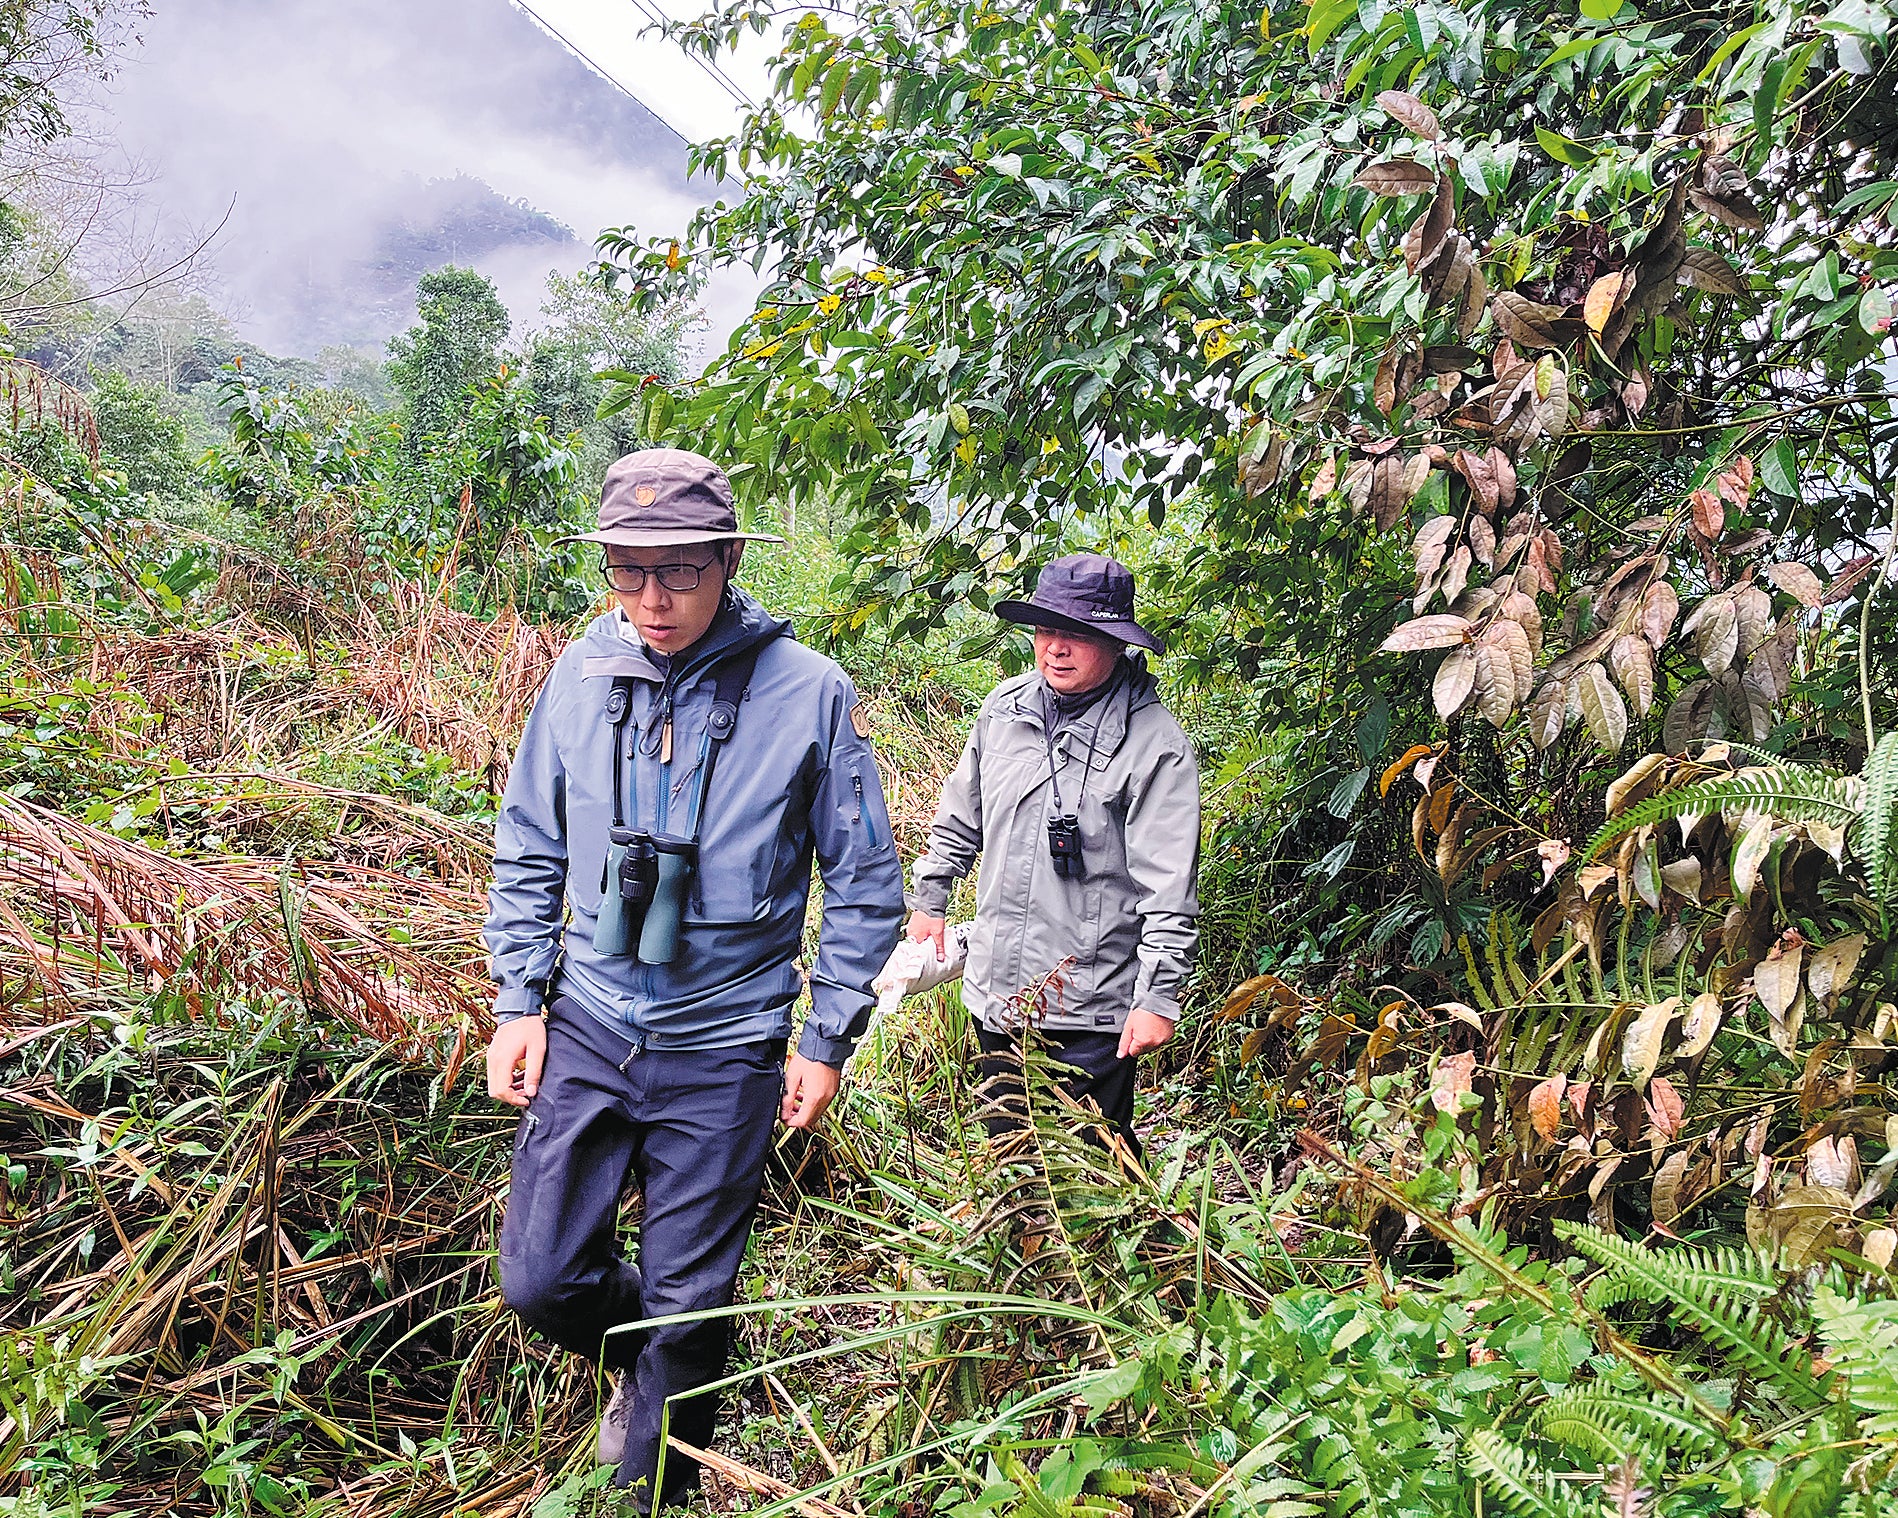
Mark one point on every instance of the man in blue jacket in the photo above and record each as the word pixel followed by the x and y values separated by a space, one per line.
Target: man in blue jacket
pixel 682 766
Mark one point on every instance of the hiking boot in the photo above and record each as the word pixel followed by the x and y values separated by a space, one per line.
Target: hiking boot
pixel 611 1443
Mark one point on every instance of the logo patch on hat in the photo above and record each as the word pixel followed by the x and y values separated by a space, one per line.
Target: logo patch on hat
pixel 644 495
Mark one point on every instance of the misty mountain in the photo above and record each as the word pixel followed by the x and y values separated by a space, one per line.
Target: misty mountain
pixel 348 146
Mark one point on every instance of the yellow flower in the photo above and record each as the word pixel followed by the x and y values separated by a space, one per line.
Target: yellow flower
pixel 877 276
pixel 828 304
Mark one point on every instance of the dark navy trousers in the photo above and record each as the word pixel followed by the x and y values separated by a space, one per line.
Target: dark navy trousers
pixel 692 1129
pixel 1093 1071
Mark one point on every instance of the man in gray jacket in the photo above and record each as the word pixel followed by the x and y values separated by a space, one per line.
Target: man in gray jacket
pixel 682 766
pixel 1080 792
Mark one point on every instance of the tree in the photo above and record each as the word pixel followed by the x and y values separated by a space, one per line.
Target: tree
pixel 1317 273
pixel 456 343
pixel 590 330
pixel 142 435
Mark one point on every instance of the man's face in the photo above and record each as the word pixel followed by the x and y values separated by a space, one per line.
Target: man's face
pixel 1073 662
pixel 671 621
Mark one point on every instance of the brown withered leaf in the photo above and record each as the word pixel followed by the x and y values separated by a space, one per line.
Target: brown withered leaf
pixel 1688 717
pixel 1665 1107
pixel 1634 393
pixel 1483 541
pixel 1736 481
pixel 1441 800
pixel 1604 298
pixel 1721 175
pixel 1410 113
pixel 1450 358
pixel 1456 573
pixel 1495 684
pixel 1798 582
pixel 1705 269
pixel 1710 516
pixel 1545 1106
pixel 1398 176
pixel 1660 605
pixel 1637 781
pixel 1384 385
pixel 1324 481
pixel 1753 612
pixel 1831 969
pixel 1430 544
pixel 1633 664
pixel 1454 682
pixel 1400 765
pixel 1504 468
pixel 1475 303
pixel 1452 1081
pixel 1552 403
pixel 1776 977
pixel 1548 712
pixel 1602 708
pixel 1521 608
pixel 1738 212
pixel 1388 496
pixel 1440 631
pixel 1479 476
pixel 1526 323
pixel 1430 229
pixel 1507 635
pixel 1716 629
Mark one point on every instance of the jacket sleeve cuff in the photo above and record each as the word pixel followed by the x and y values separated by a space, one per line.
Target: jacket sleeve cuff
pixel 834 1052
pixel 928 897
pixel 1159 1006
pixel 511 1002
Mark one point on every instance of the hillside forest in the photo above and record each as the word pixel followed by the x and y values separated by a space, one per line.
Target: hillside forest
pixel 1496 403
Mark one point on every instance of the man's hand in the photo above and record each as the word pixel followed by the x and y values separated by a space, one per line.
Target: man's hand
pixel 926 929
pixel 515 1056
pixel 1144 1031
pixel 808 1090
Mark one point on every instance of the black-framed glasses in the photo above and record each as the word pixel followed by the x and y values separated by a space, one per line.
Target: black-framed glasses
pixel 631 578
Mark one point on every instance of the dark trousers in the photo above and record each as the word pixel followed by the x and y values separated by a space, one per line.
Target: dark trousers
pixel 693 1129
pixel 1096 1073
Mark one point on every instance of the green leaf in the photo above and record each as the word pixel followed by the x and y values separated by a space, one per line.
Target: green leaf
pixel 1874 311
pixel 1601 10
pixel 1779 469
pixel 1564 149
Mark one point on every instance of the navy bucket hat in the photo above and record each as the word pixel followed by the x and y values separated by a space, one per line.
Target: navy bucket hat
pixel 1084 592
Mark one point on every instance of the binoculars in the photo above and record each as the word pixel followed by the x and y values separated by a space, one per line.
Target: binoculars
pixel 1064 847
pixel 642 895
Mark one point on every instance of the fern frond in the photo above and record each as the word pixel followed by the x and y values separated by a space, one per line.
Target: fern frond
pixel 1792 795
pixel 1521 1486
pixel 1863 1340
pixel 1877 833
pixel 1741 1330
pixel 1702 1268
pixel 1613 1425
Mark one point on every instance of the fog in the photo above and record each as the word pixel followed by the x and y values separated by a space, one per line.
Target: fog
pixel 318 123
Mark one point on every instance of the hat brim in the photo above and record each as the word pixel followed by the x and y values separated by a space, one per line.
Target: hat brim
pixel 665 537
pixel 1029 614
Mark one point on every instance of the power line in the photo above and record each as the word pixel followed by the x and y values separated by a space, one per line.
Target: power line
pixel 593 63
pixel 655 12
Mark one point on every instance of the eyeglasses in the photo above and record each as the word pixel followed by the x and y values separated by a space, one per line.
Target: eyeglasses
pixel 631 578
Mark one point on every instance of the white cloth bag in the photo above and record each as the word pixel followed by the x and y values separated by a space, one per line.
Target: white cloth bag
pixel 913 967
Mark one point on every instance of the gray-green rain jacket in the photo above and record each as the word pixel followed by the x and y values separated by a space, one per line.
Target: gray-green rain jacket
pixel 1131 923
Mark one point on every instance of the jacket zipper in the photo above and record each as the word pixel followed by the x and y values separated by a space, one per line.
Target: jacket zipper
pixel 869 824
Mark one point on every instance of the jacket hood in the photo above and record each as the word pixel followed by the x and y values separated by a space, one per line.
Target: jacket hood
pixel 741 624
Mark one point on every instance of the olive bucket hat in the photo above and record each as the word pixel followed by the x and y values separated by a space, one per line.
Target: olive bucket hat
pixel 1084 592
pixel 659 497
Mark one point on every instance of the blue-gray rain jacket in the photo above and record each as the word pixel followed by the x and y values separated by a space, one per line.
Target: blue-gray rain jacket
pixel 796 780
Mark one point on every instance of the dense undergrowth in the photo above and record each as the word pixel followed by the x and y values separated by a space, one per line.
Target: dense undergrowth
pixel 1381 1260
